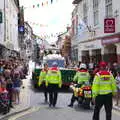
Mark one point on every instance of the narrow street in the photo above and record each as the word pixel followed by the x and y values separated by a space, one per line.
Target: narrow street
pixel 40 110
pixel 59 43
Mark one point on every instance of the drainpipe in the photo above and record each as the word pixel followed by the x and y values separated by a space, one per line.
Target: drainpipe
pixel 5 55
pixel 4 21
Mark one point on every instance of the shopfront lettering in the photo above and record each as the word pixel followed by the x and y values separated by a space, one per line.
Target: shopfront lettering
pixel 110 41
pixel 89 46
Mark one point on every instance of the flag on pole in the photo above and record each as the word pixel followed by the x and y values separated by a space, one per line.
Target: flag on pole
pixel 81 27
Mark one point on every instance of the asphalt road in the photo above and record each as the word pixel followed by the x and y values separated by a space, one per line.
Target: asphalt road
pixel 41 111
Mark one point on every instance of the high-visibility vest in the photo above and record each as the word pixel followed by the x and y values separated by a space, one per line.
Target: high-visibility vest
pixel 103 83
pixel 81 76
pixel 42 76
pixel 53 76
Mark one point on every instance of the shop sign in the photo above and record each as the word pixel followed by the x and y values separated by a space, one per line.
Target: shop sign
pixel 110 41
pixel 21 29
pixel 91 45
pixel 109 25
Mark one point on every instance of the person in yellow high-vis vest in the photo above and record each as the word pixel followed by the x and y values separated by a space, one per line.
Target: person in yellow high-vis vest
pixel 54 82
pixel 81 77
pixel 42 78
pixel 103 88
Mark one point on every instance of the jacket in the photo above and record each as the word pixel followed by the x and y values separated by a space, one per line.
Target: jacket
pixel 103 83
pixel 81 76
pixel 54 76
pixel 42 77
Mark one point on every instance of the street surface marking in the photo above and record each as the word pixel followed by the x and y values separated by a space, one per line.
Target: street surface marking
pixel 34 109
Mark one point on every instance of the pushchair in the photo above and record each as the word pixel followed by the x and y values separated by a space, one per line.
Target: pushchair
pixel 4 103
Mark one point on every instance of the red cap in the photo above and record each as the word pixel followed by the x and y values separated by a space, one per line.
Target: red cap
pixel 103 64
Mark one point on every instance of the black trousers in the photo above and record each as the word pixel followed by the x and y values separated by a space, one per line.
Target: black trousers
pixel 73 99
pixel 101 100
pixel 53 93
pixel 45 91
pixel 10 95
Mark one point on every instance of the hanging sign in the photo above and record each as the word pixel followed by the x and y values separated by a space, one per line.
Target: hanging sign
pixel 109 25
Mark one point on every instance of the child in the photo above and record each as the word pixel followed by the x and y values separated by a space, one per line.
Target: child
pixel 118 88
pixel 16 85
pixel 4 99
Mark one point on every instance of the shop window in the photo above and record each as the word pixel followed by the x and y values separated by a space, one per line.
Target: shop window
pixel 96 12
pixel 85 13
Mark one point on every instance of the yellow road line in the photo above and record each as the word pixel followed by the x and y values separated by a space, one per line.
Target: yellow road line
pixel 34 109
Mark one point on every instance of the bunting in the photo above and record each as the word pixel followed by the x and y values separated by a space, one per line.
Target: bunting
pixel 47 36
pixel 38 24
pixel 42 4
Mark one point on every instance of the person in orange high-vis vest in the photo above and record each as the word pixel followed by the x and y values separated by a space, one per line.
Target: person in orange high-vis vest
pixel 103 88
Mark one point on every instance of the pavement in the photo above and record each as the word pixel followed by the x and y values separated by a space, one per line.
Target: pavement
pixel 116 107
pixel 24 101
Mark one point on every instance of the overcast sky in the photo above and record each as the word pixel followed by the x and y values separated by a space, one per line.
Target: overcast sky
pixel 55 16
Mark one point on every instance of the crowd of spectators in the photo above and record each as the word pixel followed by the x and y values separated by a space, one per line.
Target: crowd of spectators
pixel 11 74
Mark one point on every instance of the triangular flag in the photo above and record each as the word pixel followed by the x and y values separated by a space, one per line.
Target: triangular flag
pixel 33 6
pixel 38 5
pixel 51 1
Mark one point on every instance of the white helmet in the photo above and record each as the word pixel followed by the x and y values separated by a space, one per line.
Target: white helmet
pixel 82 65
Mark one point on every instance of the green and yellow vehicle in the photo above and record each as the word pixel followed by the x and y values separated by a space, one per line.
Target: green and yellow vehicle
pixel 67 74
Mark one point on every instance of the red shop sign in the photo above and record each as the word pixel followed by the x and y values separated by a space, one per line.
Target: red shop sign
pixel 109 25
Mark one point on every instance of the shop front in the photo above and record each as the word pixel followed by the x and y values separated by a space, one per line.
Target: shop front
pixel 111 48
pixel 90 51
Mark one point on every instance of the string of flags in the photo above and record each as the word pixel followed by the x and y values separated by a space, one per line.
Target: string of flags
pixel 38 24
pixel 46 36
pixel 41 4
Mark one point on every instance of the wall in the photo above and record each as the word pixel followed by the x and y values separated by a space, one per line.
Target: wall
pixel 11 25
pixel 2 25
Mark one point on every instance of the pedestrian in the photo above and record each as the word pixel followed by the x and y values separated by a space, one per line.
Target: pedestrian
pixel 54 82
pixel 80 78
pixel 118 88
pixel 103 89
pixel 4 99
pixel 16 87
pixel 42 78
pixel 9 85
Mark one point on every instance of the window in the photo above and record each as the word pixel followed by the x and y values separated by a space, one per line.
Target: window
pixel 76 24
pixel 108 7
pixel 96 12
pixel 85 13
